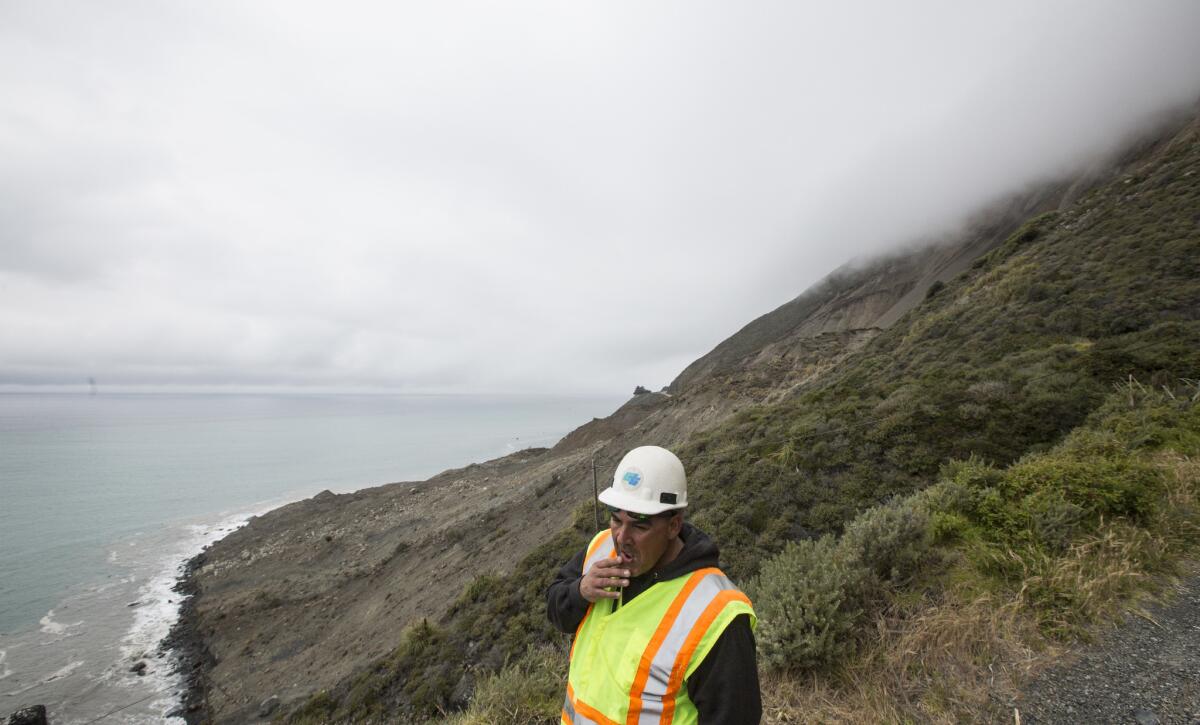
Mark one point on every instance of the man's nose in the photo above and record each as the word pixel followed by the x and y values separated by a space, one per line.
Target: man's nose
pixel 620 533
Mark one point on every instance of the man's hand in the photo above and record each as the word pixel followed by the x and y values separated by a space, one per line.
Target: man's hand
pixel 603 580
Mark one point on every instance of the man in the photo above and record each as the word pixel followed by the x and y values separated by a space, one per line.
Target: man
pixel 661 635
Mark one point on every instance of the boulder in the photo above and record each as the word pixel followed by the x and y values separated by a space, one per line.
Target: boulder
pixel 32 715
pixel 268 706
pixel 1145 717
pixel 461 695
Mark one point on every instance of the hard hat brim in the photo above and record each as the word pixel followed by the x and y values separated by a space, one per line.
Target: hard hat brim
pixel 621 500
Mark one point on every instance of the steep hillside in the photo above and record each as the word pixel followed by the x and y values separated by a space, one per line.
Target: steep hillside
pixel 876 293
pixel 1001 361
pixel 852 394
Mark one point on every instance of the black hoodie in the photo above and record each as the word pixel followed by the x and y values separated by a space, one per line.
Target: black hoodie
pixel 724 687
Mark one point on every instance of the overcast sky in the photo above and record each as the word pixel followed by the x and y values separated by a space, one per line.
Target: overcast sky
pixel 510 196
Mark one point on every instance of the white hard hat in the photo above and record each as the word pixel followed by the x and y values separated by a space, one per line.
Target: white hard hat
pixel 649 480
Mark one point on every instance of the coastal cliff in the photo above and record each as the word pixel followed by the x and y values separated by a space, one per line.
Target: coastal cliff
pixel 312 604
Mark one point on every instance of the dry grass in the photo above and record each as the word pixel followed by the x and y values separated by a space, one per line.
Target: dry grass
pixel 960 657
pixel 1180 516
pixel 528 692
pixel 1067 594
pixel 930 662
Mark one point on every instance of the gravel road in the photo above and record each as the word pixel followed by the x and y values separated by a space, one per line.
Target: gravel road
pixel 1143 672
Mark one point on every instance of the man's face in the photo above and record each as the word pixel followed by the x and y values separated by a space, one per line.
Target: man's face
pixel 642 540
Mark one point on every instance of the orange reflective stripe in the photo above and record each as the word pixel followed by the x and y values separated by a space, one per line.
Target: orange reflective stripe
pixel 690 644
pixel 660 634
pixel 604 536
pixel 567 719
pixel 587 710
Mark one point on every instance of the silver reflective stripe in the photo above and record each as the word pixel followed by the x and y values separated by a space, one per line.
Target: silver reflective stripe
pixel 603 551
pixel 664 660
pixel 574 717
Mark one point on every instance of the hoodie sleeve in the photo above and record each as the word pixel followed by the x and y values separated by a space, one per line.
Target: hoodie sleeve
pixel 565 606
pixel 724 687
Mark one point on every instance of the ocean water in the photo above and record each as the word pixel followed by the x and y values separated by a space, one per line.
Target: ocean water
pixel 102 498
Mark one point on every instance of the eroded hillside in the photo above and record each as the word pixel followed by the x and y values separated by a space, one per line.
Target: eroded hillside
pixel 397 599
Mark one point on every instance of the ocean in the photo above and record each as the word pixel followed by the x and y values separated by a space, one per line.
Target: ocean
pixel 104 497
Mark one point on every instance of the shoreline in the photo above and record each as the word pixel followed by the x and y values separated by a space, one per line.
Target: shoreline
pixel 185 648
pixel 182 645
pixel 270 612
pixel 106 643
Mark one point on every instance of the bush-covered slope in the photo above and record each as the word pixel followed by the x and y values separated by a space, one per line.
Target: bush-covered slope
pixel 996 367
pixel 1000 362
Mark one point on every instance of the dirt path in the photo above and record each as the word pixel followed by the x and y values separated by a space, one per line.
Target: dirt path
pixel 1145 671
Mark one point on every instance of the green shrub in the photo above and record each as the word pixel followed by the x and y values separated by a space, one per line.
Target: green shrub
pixel 1116 486
pixel 1154 418
pixel 889 541
pixel 1054 521
pixel 480 588
pixel 946 496
pixel 1034 228
pixel 973 473
pixel 946 527
pixel 805 600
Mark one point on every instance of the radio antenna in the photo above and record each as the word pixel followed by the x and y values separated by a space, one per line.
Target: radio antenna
pixel 595 493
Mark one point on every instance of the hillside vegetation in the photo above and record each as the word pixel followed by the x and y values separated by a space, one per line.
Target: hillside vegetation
pixel 1006 464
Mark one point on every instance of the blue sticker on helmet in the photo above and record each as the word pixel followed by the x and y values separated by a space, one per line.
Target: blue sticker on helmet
pixel 632 479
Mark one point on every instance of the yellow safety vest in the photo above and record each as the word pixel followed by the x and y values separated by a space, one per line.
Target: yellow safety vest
pixel 629 665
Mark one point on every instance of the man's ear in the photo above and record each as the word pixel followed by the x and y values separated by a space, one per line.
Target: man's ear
pixel 675 524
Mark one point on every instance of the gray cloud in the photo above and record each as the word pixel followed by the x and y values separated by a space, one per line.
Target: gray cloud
pixel 527 196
